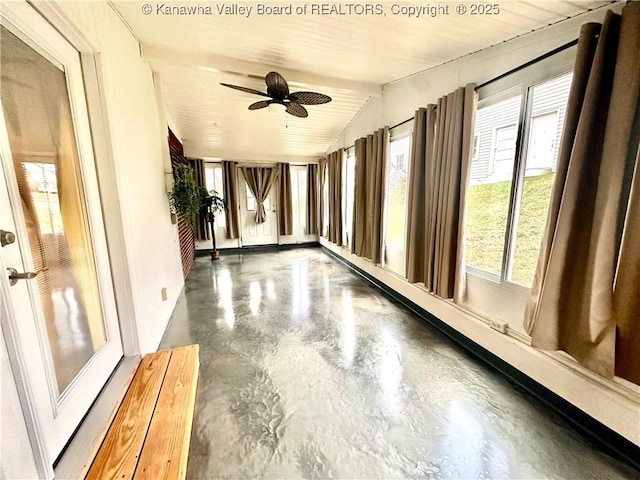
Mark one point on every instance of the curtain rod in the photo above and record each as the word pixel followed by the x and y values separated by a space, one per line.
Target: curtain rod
pixel 544 56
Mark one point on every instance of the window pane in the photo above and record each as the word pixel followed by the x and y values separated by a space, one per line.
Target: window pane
pixel 397 192
pixel 545 130
pixel 490 184
pixel 349 180
pixel 218 186
pixel 251 202
pixel 325 200
pixel 42 139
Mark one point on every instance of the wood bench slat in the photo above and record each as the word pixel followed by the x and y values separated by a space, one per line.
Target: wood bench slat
pixel 166 448
pixel 119 453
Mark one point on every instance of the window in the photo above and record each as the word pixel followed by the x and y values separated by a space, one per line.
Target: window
pixel 325 203
pixel 251 201
pixel 298 199
pixel 511 179
pixel 213 180
pixel 396 202
pixel 476 143
pixel 348 191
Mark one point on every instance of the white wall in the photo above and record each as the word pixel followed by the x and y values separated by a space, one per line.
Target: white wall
pixel 139 148
pixel 16 458
pixel 615 405
pixel 401 99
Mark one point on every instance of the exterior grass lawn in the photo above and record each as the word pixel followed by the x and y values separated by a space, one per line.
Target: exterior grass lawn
pixel 487 211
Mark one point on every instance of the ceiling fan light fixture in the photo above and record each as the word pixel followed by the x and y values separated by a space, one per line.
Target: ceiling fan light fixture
pixel 278 92
pixel 278 107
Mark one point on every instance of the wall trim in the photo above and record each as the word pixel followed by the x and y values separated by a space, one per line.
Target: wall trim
pixel 600 435
pixel 258 248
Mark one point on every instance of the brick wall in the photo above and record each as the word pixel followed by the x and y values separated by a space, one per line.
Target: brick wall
pixel 185 231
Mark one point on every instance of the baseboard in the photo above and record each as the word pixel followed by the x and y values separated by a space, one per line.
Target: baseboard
pixel 598 434
pixel 259 249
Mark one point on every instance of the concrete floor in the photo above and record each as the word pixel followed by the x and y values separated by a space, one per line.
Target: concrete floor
pixel 308 371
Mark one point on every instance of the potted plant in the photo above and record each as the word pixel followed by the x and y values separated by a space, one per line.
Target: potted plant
pixel 214 204
pixel 186 195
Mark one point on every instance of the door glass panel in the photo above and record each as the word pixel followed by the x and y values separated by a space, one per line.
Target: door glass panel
pixel 40 128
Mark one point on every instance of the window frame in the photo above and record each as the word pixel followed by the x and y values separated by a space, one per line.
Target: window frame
pixel 495 295
pixel 399 133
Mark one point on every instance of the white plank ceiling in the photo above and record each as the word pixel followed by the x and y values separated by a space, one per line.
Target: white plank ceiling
pixel 347 57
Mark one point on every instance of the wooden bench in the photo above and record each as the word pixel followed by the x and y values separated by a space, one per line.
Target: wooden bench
pixel 151 429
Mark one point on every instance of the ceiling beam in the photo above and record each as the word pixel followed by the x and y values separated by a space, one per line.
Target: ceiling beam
pixel 227 65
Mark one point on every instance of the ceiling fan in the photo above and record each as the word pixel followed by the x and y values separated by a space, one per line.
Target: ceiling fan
pixel 278 91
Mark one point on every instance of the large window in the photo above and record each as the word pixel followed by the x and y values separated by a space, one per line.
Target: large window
pixel 213 179
pixel 396 201
pixel 348 192
pixel 298 199
pixel 511 179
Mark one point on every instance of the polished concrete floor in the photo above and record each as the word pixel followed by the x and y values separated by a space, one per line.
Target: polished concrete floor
pixel 309 372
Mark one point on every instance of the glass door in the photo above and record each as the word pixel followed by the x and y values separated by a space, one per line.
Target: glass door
pixel 54 253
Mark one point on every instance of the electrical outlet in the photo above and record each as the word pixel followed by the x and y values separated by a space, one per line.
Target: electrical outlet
pixel 498 325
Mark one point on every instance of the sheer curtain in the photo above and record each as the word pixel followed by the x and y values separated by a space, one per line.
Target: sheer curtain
pixel 584 299
pixel 230 172
pixel 260 180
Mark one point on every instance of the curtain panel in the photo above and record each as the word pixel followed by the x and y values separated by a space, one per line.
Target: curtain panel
pixel 371 157
pixel 230 174
pixel 311 214
pixel 334 164
pixel 322 166
pixel 285 210
pixel 584 298
pixel 231 215
pixel 359 199
pixel 422 142
pixel 440 164
pixel 201 224
pixel 260 180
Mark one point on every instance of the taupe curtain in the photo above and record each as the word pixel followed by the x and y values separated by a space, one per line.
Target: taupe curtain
pixel 371 157
pixel 422 142
pixel 322 166
pixel 441 159
pixel 584 299
pixel 358 235
pixel 285 210
pixel 230 173
pixel 334 164
pixel 312 199
pixel 260 180
pixel 202 224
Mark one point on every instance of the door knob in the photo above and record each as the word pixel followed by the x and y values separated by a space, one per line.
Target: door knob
pixel 14 276
pixel 7 238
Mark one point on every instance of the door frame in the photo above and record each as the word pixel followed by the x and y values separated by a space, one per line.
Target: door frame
pixel 273 193
pixel 116 237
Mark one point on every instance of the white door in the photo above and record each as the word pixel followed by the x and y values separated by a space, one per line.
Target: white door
pixel 62 322
pixel 257 233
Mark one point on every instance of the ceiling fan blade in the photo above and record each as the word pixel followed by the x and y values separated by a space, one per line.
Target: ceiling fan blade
pixel 260 104
pixel 245 89
pixel 297 110
pixel 277 86
pixel 309 98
